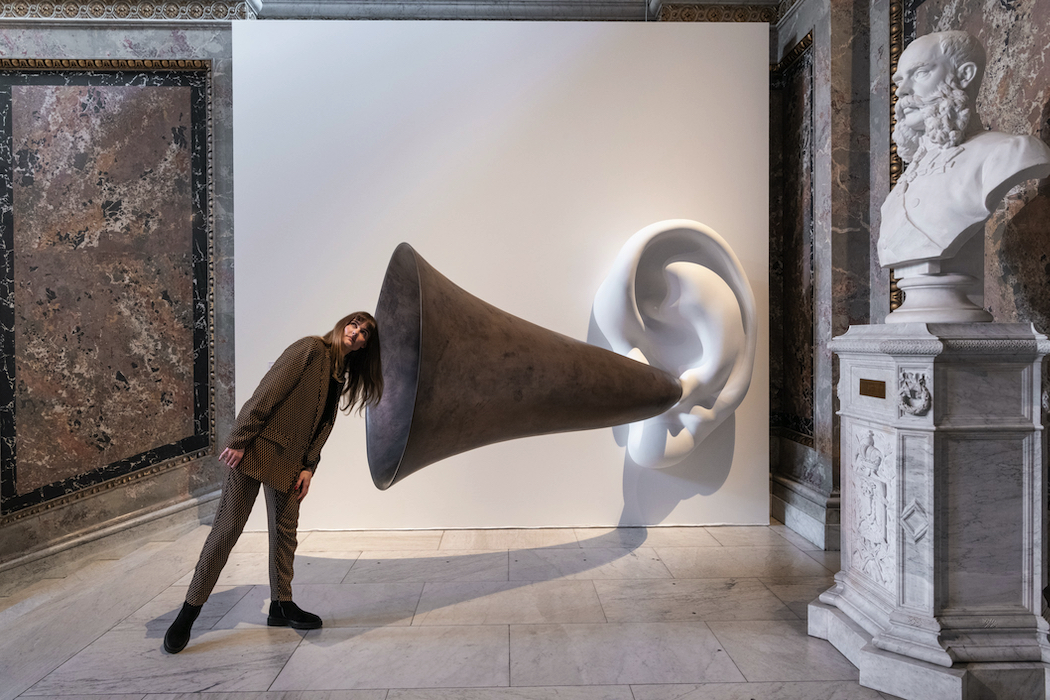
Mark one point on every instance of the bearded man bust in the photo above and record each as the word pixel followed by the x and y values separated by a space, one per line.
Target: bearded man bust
pixel 957 171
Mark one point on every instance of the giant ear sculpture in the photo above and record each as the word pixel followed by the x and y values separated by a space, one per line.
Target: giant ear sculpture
pixel 460 373
pixel 678 299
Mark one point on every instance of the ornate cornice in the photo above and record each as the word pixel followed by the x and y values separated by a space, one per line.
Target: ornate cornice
pixel 222 10
pixel 702 12
pixel 100 64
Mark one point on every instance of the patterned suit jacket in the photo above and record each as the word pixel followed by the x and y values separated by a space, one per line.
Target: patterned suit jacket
pixel 278 426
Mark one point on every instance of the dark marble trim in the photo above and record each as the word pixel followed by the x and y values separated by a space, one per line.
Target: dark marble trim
pixel 12 505
pixel 780 70
pixel 790 427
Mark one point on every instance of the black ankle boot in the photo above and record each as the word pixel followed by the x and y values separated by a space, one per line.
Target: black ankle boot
pixel 178 635
pixel 288 614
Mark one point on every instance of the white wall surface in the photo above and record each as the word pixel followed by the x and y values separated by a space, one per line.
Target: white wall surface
pixel 516 158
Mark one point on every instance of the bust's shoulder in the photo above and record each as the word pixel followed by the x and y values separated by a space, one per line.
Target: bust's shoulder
pixel 1006 148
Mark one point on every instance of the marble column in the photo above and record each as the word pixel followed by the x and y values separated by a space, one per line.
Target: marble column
pixel 943 512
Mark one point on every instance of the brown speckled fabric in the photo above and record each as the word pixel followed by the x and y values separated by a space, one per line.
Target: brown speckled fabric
pixel 281 429
pixel 278 426
pixel 238 497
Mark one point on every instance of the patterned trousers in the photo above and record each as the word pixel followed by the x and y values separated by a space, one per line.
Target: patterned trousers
pixel 238 496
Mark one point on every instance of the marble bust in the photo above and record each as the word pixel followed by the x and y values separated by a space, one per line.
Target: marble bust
pixel 957 171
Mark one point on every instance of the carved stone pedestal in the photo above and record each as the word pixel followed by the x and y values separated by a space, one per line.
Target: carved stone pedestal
pixel 943 475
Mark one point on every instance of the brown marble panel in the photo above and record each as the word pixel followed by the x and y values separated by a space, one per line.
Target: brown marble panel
pixel 103 276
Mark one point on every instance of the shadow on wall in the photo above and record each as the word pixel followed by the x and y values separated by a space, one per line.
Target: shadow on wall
pixel 649 495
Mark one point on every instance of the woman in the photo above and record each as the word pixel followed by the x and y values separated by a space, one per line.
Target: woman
pixel 277 442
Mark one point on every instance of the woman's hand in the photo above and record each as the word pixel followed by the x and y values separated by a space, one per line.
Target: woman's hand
pixel 230 457
pixel 302 486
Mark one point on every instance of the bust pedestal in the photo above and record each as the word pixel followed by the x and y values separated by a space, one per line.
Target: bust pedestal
pixel 944 512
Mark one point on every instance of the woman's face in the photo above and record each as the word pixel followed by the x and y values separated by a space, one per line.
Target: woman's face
pixel 356 335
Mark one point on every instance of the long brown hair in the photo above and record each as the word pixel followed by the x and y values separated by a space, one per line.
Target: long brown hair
pixel 360 371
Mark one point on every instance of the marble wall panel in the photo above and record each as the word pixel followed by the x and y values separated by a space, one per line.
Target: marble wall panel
pixel 78 507
pixel 1015 98
pixel 791 262
pixel 103 276
pixel 108 201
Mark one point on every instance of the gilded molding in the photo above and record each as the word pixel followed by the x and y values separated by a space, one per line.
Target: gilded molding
pixel 219 10
pixel 896 164
pixel 104 486
pixel 702 12
pixel 777 70
pixel 896 48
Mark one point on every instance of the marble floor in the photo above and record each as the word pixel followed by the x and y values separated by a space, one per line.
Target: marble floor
pixel 701 613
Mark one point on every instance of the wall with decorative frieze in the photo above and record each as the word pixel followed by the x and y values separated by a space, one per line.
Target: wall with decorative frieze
pixel 116 201
pixel 224 10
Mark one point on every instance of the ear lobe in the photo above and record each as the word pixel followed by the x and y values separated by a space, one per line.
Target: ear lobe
pixel 678 297
pixel 966 73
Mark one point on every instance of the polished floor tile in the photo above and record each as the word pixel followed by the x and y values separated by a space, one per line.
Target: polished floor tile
pixel 681 537
pixel 509 539
pixel 794 538
pixel 398 657
pixel 634 537
pixel 585 564
pixel 583 692
pixel 338 605
pixel 798 593
pixel 739 562
pixel 801 690
pixel 729 536
pixel 382 540
pixel 253 568
pixel 707 599
pixel 414 565
pixel 675 613
pixel 108 696
pixel 504 603
pixel 781 651
pixel 130 660
pixel 278 695
pixel 618 654
pixel 159 613
pixel 831 560
pixel 260 542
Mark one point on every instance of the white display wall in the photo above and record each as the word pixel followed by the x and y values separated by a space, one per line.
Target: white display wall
pixel 516 158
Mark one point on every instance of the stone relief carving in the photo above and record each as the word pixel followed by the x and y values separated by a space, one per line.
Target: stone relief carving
pixel 914 398
pixel 873 474
pixel 915 521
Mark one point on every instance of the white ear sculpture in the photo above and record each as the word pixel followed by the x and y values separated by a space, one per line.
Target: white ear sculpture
pixel 678 299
